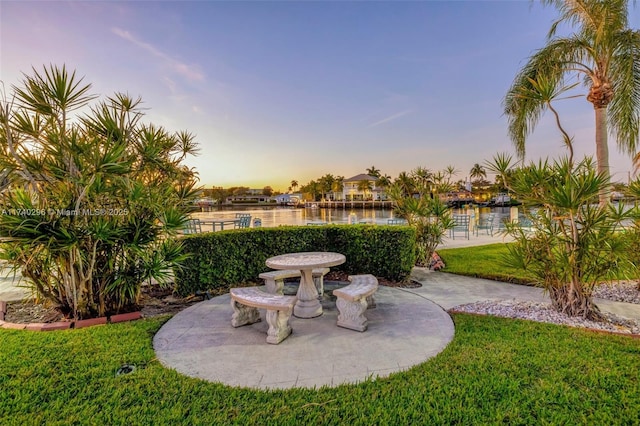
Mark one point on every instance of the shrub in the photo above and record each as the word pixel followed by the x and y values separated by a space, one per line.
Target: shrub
pixel 574 242
pixel 88 200
pixel 217 260
pixel 427 214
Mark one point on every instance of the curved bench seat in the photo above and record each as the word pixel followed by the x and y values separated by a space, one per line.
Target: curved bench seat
pixel 361 286
pixel 354 299
pixel 246 301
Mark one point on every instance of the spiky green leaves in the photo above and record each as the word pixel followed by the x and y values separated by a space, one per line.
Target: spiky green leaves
pixel 91 198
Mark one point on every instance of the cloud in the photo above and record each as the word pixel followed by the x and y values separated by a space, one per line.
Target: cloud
pixel 187 71
pixel 390 118
pixel 170 84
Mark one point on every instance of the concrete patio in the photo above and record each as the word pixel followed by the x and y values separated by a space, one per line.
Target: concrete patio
pixel 409 326
pixel 405 329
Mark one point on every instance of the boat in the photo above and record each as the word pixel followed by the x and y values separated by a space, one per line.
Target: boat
pixel 294 202
pixel 503 199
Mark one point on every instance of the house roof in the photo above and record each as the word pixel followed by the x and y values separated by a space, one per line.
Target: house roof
pixel 358 178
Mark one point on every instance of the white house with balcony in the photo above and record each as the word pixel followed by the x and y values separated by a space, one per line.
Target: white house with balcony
pixel 352 190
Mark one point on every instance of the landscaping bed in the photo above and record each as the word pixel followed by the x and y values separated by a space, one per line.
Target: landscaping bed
pixel 153 302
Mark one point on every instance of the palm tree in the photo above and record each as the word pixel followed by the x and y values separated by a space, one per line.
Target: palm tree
pixel 365 186
pixel 326 184
pixel 606 53
pixel 312 188
pixel 338 184
pixel 405 183
pixel 450 171
pixel 383 181
pixel 441 183
pixel 372 171
pixel 477 172
pixel 294 184
pixel 423 179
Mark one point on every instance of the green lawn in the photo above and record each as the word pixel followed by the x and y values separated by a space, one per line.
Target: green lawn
pixel 495 371
pixel 484 262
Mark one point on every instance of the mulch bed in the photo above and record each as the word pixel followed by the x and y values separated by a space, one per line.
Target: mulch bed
pixel 154 301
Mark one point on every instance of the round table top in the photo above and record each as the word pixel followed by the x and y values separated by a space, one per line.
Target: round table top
pixel 306 260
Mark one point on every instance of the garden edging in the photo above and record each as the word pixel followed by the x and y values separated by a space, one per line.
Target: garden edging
pixel 65 325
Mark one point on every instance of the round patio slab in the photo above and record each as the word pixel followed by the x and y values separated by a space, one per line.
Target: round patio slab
pixel 405 329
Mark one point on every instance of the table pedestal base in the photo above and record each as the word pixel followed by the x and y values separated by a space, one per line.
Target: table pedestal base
pixel 308 305
pixel 307 309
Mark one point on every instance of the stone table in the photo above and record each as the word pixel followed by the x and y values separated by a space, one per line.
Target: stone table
pixel 308 305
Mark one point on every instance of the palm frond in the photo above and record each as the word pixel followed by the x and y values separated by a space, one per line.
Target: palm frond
pixel 624 109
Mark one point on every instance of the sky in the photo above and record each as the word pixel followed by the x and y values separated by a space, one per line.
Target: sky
pixel 277 91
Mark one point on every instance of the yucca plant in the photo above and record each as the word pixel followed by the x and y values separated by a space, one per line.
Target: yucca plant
pixel 633 232
pixel 429 216
pixel 91 198
pixel 575 242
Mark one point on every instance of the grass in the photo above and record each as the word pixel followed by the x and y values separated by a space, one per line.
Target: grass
pixel 488 261
pixel 495 371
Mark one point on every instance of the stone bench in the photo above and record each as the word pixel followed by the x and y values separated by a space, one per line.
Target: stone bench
pixel 354 299
pixel 246 301
pixel 274 280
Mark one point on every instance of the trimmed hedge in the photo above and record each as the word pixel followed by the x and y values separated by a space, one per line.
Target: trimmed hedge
pixel 223 259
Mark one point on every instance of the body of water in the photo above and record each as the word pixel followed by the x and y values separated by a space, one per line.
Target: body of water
pixel 275 216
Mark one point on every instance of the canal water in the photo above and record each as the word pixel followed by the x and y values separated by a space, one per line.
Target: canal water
pixel 276 215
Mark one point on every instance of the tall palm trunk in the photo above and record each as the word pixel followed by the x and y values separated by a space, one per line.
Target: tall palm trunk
pixel 600 95
pixel 602 151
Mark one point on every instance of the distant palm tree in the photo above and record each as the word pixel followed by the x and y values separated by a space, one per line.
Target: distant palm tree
pixel 451 171
pixel 442 182
pixel 405 183
pixel 312 188
pixel 372 171
pixel 477 172
pixel 338 184
pixel 294 184
pixel 423 179
pixel 365 186
pixel 606 52
pixel 326 184
pixel 383 181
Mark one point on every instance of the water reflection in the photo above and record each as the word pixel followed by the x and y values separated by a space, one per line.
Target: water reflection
pixel 276 216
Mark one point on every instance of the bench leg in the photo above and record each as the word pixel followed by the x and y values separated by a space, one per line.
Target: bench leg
pixel 274 286
pixel 318 280
pixel 371 302
pixel 351 314
pixel 279 328
pixel 243 315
